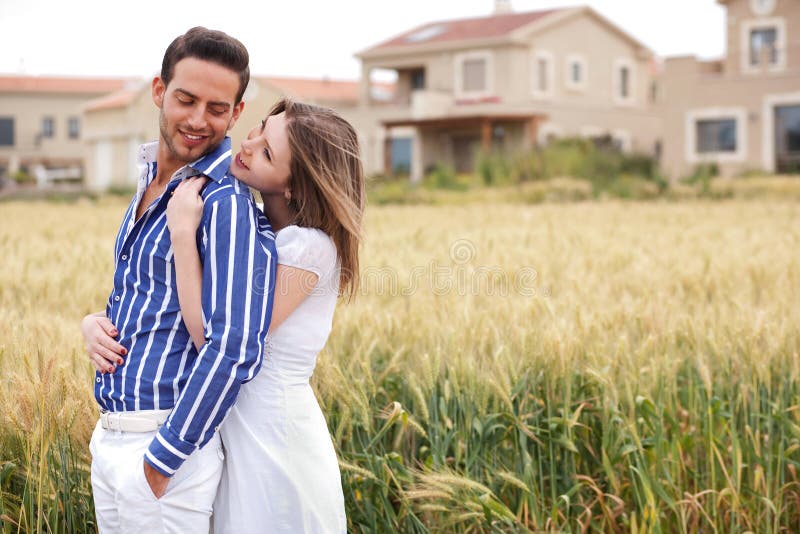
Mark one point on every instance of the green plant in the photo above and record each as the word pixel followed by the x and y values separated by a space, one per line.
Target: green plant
pixel 701 176
pixel 493 168
pixel 443 176
pixel 22 177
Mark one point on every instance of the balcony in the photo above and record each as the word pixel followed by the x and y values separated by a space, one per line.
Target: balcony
pixel 426 103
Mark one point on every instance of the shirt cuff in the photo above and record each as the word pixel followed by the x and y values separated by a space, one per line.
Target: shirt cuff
pixel 167 452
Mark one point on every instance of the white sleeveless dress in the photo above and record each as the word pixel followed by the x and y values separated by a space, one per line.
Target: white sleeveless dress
pixel 281 473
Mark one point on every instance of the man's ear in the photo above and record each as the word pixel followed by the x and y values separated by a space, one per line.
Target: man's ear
pixel 158 89
pixel 237 111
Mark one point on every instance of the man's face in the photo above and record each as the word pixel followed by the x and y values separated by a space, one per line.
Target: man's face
pixel 197 108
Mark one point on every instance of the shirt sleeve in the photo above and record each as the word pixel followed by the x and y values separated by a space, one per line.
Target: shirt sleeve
pixel 309 249
pixel 238 287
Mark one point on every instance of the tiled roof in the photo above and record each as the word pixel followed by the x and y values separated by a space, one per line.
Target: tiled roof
pixel 118 99
pixel 50 84
pixel 315 88
pixel 319 89
pixel 464 29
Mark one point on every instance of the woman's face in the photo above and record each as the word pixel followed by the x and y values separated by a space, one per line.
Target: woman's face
pixel 263 162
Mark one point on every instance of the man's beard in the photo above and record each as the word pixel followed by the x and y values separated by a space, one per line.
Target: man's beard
pixel 164 130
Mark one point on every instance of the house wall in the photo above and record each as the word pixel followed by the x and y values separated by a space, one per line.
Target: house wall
pixel 693 89
pixel 689 92
pixel 28 110
pixel 592 110
pixel 740 15
pixel 600 47
pixel 125 128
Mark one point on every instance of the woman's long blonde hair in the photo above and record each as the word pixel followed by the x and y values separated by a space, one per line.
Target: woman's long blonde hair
pixel 326 180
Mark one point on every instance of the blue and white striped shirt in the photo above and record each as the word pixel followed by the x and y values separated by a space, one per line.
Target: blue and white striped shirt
pixel 162 369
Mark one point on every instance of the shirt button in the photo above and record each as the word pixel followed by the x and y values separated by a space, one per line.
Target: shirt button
pixel 116 298
pixel 124 257
pixel 97 379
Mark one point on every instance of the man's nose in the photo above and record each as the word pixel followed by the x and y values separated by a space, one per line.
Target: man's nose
pixel 197 119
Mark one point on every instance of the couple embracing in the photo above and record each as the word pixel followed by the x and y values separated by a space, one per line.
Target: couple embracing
pixel 219 309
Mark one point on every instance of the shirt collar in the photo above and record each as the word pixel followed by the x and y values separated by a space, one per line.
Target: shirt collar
pixel 214 164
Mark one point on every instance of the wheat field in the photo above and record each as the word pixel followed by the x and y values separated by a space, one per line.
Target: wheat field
pixel 597 366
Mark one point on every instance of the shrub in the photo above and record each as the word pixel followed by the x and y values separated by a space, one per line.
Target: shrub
pixel 633 188
pixel 493 168
pixel 22 177
pixel 444 176
pixel 562 189
pixel 527 166
pixel 702 175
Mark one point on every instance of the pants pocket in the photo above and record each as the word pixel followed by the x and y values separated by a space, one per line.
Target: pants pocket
pixel 139 510
pixel 141 481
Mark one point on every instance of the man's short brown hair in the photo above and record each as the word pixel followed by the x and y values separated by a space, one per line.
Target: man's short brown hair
pixel 208 45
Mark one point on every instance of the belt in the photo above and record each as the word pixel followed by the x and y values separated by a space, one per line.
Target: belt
pixel 138 421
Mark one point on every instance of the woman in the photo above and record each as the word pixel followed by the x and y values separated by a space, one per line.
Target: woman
pixel 281 472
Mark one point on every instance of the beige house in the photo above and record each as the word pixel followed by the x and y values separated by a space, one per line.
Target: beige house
pixel 741 112
pixel 115 125
pixel 508 81
pixel 41 125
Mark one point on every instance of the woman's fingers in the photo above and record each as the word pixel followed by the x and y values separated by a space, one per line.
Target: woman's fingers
pixel 100 364
pixel 112 346
pixel 108 354
pixel 107 326
pixel 196 183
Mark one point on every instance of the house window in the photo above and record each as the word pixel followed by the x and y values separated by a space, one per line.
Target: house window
pixel 48 127
pixel 623 81
pixel 474 75
pixel 576 72
pixel 764 46
pixel 74 127
pixel 542 79
pixel 6 131
pixel 473 72
pixel 542 82
pixel 418 79
pixel 716 135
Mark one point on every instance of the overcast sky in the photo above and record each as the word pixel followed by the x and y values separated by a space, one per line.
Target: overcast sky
pixel 312 38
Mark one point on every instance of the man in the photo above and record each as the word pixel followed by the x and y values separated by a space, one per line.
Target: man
pixel 156 454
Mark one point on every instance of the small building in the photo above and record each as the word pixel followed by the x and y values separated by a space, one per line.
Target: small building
pixel 506 81
pixel 118 123
pixel 741 112
pixel 41 130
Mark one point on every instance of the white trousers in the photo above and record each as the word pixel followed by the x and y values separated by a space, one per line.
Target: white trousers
pixel 123 499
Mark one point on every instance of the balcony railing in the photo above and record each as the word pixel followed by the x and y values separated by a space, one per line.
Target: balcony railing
pixel 427 103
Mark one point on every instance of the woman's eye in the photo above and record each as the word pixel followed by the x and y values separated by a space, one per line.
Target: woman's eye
pixel 266 153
